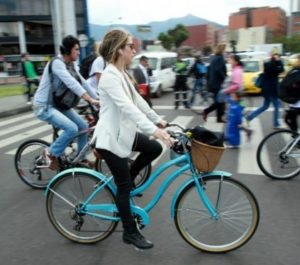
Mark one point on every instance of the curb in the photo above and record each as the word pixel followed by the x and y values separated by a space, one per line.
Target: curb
pixel 8 113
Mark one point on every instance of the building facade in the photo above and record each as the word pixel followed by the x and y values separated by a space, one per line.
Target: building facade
pixel 200 36
pixel 296 23
pixel 37 27
pixel 273 18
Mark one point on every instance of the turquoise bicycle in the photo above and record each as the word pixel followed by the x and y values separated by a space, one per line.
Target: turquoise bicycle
pixel 212 211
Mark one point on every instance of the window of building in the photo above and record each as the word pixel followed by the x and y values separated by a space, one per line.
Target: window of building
pixel 8 29
pixel 24 7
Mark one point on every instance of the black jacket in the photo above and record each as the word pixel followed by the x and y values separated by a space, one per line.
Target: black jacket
pixel 216 73
pixel 270 82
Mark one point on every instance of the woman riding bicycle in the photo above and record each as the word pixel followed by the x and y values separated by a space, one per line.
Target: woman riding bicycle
pixel 63 71
pixel 123 114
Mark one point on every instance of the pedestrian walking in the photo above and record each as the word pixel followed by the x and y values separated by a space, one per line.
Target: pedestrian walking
pixel 270 83
pixel 199 70
pixel 181 88
pixel 291 115
pixel 31 75
pixel 216 76
pixel 142 75
pixel 233 95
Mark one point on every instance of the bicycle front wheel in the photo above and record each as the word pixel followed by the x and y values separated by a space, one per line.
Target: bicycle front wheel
pixel 64 199
pixel 275 159
pixel 31 166
pixel 238 215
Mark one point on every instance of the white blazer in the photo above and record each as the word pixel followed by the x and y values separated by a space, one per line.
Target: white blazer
pixel 122 113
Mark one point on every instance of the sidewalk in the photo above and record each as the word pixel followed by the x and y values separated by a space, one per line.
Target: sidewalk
pixel 13 105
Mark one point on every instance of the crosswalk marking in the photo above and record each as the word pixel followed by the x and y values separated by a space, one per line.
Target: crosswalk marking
pixel 246 160
pixel 16 119
pixel 212 125
pixel 20 126
pixel 247 152
pixel 22 136
pixel 47 138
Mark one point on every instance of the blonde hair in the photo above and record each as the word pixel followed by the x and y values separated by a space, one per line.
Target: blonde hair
pixel 220 49
pixel 113 41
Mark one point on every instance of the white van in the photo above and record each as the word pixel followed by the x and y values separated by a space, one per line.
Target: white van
pixel 161 63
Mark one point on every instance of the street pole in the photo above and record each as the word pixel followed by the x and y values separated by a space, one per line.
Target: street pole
pixel 290 22
pixel 56 22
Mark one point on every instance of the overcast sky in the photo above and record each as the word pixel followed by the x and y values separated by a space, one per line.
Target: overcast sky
pixel 142 12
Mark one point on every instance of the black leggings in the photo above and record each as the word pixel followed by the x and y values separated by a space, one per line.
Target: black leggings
pixel 149 150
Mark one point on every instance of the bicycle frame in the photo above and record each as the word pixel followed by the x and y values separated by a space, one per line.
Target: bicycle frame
pixel 289 147
pixel 92 209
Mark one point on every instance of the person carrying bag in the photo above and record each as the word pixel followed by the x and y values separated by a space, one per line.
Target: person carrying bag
pixel 63 97
pixel 59 77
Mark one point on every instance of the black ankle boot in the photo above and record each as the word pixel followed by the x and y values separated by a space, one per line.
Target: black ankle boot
pixel 135 238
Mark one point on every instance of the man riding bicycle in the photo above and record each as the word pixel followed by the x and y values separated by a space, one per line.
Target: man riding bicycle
pixel 63 70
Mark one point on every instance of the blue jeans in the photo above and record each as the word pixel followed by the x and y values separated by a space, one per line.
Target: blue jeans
pixel 198 88
pixel 267 101
pixel 69 121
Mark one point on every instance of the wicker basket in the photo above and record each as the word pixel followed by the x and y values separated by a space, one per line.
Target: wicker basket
pixel 206 157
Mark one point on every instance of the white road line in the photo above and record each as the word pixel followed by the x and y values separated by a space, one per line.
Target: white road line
pixel 17 119
pixel 47 138
pixel 247 153
pixel 22 136
pixel 20 126
pixel 181 120
pixel 171 107
pixel 212 125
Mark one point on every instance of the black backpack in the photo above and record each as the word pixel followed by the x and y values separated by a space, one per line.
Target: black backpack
pixel 86 65
pixel 289 88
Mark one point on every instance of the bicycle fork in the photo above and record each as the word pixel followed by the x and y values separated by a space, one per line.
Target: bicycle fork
pixel 213 210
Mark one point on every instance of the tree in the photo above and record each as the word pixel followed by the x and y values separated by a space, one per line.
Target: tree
pixel 179 34
pixel 166 40
pixel 289 44
pixel 175 36
pixel 233 45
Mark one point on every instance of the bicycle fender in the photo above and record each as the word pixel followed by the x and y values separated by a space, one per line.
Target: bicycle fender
pixel 142 213
pixel 82 170
pixel 187 182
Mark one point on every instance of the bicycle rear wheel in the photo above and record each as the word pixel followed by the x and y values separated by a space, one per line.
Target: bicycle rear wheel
pixel 237 221
pixel 273 159
pixel 30 165
pixel 140 179
pixel 63 202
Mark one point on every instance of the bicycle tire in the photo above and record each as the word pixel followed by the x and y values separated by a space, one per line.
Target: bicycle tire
pixel 273 160
pixel 75 188
pixel 140 179
pixel 237 208
pixel 28 163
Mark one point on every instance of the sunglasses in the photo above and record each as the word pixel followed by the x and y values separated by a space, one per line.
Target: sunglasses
pixel 130 45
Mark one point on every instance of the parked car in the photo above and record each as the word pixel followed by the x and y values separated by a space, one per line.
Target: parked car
pixel 252 69
pixel 161 63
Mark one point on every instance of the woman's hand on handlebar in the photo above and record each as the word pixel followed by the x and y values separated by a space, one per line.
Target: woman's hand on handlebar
pixel 164 137
pixel 162 124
